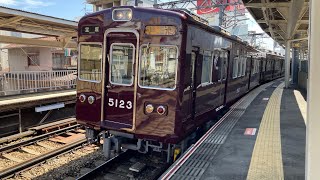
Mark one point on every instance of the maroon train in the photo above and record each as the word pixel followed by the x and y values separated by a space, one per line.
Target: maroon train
pixel 148 78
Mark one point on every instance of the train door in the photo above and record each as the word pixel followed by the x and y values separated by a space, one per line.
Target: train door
pixel 252 65
pixel 224 58
pixel 193 85
pixel 120 84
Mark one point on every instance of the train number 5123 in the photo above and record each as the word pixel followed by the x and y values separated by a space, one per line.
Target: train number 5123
pixel 120 103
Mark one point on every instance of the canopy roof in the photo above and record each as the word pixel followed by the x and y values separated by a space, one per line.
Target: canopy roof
pixel 27 22
pixel 281 19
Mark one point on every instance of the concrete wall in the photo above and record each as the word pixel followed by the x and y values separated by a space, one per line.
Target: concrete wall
pixel 4 64
pixel 18 60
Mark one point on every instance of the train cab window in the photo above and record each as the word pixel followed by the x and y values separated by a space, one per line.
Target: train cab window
pixel 206 75
pixel 90 62
pixel 158 66
pixel 121 63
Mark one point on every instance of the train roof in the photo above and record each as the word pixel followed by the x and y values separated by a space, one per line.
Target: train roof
pixel 184 15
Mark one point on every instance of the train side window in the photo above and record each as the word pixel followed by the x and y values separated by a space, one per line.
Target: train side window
pixel 244 65
pixel 206 76
pixel 158 66
pixel 235 67
pixel 90 62
pixel 121 63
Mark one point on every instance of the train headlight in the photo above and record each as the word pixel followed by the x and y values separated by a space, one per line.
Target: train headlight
pixel 124 14
pixel 149 108
pixel 91 99
pixel 82 98
pixel 161 110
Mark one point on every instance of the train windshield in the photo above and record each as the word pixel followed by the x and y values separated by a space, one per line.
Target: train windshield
pixel 158 67
pixel 90 62
pixel 121 64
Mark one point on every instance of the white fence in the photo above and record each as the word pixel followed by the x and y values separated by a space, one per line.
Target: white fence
pixel 36 81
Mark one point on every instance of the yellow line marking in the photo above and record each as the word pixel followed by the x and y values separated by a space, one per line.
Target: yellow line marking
pixel 266 161
pixel 302 105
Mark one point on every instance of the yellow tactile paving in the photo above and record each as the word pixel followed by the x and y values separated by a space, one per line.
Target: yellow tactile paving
pixel 266 161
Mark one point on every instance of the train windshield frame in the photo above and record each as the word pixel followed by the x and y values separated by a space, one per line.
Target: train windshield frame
pixel 158 66
pixel 122 68
pixel 90 62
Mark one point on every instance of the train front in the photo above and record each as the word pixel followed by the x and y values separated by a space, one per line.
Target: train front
pixel 127 85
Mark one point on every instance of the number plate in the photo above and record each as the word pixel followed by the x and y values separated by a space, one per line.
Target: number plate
pixel 118 103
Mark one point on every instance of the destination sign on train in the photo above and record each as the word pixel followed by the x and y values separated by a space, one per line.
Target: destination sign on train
pixel 161 30
pixel 90 29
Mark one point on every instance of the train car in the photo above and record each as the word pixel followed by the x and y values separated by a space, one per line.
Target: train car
pixel 271 67
pixel 149 78
pixel 255 70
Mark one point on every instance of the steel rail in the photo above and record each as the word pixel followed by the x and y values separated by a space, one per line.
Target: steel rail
pixel 36 138
pixel 103 167
pixel 29 163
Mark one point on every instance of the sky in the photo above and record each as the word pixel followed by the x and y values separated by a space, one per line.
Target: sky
pixel 66 9
pixel 75 9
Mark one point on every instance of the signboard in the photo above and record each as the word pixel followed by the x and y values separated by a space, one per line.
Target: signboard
pixel 219 3
pixel 90 29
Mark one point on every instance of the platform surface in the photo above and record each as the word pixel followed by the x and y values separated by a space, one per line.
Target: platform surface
pixel 34 99
pixel 261 137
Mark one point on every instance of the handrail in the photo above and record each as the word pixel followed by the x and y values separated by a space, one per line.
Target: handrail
pixel 23 82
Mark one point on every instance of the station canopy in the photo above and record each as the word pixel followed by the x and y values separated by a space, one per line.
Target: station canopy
pixel 282 19
pixel 32 23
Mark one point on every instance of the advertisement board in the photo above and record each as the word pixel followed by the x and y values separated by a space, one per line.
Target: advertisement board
pixel 209 6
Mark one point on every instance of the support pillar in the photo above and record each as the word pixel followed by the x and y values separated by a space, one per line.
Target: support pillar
pixel 313 113
pixel 95 8
pixel 287 64
pixel 295 65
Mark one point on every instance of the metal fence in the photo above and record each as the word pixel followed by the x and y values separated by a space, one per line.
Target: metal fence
pixel 36 81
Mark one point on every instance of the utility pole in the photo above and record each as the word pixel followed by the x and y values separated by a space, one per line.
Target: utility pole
pixel 136 2
pixel 221 15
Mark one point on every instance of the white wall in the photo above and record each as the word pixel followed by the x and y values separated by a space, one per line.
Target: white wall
pixel 4 54
pixel 18 60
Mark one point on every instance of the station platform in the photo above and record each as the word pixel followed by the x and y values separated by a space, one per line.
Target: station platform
pixel 35 99
pixel 262 137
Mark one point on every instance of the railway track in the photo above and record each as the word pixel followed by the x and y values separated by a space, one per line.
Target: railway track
pixel 129 165
pixel 22 155
pixel 39 130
